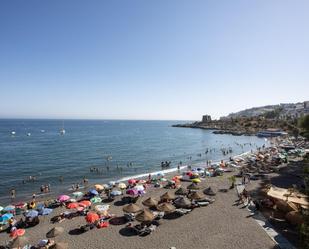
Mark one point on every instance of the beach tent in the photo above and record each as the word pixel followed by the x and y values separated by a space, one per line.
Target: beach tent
pixel 286 195
pixel 63 198
pixel 91 217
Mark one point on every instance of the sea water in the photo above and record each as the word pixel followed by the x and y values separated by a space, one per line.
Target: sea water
pixel 119 149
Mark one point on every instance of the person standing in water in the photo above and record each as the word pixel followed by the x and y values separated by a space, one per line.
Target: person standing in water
pixel 13 194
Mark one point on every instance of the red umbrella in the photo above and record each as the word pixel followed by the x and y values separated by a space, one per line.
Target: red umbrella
pixel 131 181
pixel 73 205
pixel 84 203
pixel 17 232
pixel 92 217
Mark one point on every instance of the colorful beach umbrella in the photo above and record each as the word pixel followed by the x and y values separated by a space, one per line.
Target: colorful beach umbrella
pixel 84 203
pixel 9 208
pixel 93 192
pixel 132 192
pixel 196 180
pixel 77 194
pixel 96 199
pixel 122 185
pixel 72 205
pixel 17 232
pixel 4 218
pixel 63 198
pixel 91 217
pixel 131 181
pixel 98 187
pixel 32 214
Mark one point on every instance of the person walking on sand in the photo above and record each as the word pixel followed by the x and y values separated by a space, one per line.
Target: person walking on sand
pixel 33 197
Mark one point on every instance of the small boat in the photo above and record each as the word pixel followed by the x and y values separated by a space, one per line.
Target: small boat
pixel 13 133
pixel 42 131
pixel 28 134
pixel 62 131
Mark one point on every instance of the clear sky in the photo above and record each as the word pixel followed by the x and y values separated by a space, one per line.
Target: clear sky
pixel 162 59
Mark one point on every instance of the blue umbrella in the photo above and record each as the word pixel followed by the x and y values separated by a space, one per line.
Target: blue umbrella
pixel 93 192
pixel 32 214
pixel 116 192
pixel 45 211
pixel 4 218
pixel 9 208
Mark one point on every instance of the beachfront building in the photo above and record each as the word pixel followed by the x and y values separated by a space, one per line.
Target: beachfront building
pixel 206 118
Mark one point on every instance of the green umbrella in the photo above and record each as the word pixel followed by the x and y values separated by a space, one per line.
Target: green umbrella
pixel 96 199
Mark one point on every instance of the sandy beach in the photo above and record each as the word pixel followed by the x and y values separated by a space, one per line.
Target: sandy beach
pixel 219 225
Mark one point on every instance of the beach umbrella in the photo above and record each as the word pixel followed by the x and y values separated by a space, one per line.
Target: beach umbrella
pixel 77 194
pixel 19 205
pixel 131 181
pixel 116 192
pixel 98 187
pixel 144 216
pixel 91 217
pixel 101 208
pixel 6 217
pixel 1 208
pixel 72 205
pixel 96 199
pixel 132 192
pixel 84 203
pixel 31 214
pixel 17 232
pixel 112 183
pixel 139 187
pixel 9 208
pixel 54 232
pixel 196 196
pixel 160 174
pixel 182 202
pixel 131 208
pixel 181 191
pixel 60 245
pixel 63 198
pixel 93 192
pixel 166 207
pixel 196 180
pixel 18 242
pixel 122 185
pixel 193 186
pixel 167 196
pixel 46 211
pixel 150 202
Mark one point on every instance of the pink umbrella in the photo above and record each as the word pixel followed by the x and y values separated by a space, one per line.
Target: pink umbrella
pixel 132 192
pixel 63 198
pixel 131 181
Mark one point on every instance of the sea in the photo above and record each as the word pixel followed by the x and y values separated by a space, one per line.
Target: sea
pixel 117 149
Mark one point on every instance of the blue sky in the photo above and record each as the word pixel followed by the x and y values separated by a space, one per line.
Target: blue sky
pixel 150 59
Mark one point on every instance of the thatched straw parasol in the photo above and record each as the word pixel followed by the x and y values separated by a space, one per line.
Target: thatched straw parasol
pixel 182 202
pixel 150 202
pixel 54 232
pixel 145 216
pixel 193 186
pixel 166 207
pixel 196 196
pixel 168 196
pixel 181 191
pixel 131 208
